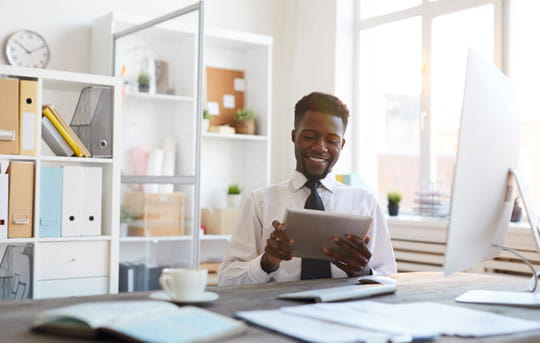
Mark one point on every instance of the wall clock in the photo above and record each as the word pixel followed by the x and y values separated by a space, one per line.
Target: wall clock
pixel 27 48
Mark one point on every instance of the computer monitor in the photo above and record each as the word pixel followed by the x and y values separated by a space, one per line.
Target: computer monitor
pixel 483 188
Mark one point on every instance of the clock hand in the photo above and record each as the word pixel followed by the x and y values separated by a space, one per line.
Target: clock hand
pixel 39 47
pixel 22 46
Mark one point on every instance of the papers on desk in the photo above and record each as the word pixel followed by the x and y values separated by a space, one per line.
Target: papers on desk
pixel 369 321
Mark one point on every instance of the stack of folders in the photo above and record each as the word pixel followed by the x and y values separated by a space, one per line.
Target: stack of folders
pixel 135 277
pixel 70 201
pixel 19 116
pixel 59 136
pixel 16 199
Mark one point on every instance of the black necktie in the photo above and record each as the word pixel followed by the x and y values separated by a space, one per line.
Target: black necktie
pixel 313 268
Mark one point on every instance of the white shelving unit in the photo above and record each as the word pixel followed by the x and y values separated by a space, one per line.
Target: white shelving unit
pixel 65 266
pixel 224 159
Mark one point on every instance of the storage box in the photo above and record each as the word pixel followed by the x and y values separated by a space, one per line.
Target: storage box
pixel 93 120
pixel 155 214
pixel 220 221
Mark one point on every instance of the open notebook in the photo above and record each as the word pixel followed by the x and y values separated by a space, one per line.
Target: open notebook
pixel 138 321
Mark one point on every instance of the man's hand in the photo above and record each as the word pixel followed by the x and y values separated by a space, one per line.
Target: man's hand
pixel 278 248
pixel 353 256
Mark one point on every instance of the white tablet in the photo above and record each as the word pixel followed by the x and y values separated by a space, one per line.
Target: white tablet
pixel 312 230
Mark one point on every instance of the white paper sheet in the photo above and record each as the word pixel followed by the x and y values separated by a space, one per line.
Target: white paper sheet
pixel 313 330
pixel 228 101
pixel 419 319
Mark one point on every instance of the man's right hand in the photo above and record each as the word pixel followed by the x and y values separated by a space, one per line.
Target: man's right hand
pixel 278 248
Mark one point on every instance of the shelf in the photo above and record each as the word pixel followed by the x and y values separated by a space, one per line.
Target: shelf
pixel 17 240
pixel 67 159
pixel 177 180
pixel 18 157
pixel 54 239
pixel 158 97
pixel 154 239
pixel 215 237
pixel 55 77
pixel 241 137
pixel 73 239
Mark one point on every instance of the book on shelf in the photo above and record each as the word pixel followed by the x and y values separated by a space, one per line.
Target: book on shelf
pixel 54 139
pixel 65 131
pixel 138 321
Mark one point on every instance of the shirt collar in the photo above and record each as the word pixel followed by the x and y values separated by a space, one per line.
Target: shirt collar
pixel 298 180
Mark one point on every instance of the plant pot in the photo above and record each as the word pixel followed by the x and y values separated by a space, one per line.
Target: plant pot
pixel 393 209
pixel 205 125
pixel 144 88
pixel 234 200
pixel 516 214
pixel 246 127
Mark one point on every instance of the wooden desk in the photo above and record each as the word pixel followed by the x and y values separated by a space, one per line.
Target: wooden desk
pixel 16 317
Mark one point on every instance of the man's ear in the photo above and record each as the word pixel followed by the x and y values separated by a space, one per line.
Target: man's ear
pixel 342 142
pixel 293 135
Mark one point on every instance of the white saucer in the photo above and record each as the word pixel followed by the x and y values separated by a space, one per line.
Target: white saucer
pixel 203 298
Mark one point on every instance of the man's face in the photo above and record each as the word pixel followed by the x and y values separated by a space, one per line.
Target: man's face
pixel 318 141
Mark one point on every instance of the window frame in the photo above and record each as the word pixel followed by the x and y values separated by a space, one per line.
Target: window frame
pixel 364 160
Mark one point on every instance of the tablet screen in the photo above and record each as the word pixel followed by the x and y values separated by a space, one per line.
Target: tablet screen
pixel 312 230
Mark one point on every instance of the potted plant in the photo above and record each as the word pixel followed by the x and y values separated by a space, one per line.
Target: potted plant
pixel 206 120
pixel 394 198
pixel 125 219
pixel 244 121
pixel 143 79
pixel 234 196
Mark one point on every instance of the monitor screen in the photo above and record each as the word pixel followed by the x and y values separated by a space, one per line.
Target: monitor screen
pixel 488 147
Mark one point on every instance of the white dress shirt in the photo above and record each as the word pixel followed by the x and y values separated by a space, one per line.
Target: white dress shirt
pixel 242 263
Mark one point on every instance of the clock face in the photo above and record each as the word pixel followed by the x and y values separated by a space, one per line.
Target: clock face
pixel 27 49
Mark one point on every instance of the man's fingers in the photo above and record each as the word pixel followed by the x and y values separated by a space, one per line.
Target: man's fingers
pixel 278 226
pixel 281 236
pixel 277 253
pixel 360 244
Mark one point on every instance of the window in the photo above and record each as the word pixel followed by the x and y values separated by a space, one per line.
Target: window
pixel 411 69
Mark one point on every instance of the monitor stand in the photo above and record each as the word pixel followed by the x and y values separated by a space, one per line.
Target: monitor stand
pixel 529 298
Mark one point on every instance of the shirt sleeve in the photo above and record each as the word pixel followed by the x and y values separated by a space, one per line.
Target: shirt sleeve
pixel 242 262
pixel 382 260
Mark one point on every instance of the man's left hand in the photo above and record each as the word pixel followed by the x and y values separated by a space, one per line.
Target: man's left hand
pixel 353 255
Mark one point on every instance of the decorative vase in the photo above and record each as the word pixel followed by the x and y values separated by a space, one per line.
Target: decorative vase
pixel 246 127
pixel 516 213
pixel 393 209
pixel 205 125
pixel 144 88
pixel 234 200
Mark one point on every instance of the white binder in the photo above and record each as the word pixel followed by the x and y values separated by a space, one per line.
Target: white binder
pixel 91 201
pixel 72 187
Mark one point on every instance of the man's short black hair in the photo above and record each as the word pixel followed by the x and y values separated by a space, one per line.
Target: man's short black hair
pixel 321 102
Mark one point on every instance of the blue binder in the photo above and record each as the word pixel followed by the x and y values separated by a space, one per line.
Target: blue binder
pixel 50 202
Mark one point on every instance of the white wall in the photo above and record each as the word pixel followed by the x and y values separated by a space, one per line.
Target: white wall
pixel 304 57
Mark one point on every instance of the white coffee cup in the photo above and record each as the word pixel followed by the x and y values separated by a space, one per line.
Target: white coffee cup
pixel 184 284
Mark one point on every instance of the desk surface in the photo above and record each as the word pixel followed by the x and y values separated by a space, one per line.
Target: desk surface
pixel 16 316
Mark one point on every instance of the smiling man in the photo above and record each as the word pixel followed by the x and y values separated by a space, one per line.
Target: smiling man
pixel 260 250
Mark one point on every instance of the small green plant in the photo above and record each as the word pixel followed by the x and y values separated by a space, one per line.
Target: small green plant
pixel 244 114
pixel 143 78
pixel 206 115
pixel 394 198
pixel 125 215
pixel 234 189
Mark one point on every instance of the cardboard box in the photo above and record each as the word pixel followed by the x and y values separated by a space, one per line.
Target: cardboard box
pixel 220 221
pixel 213 269
pixel 9 116
pixel 21 199
pixel 155 214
